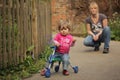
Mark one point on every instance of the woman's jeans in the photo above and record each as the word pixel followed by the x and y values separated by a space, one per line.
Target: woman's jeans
pixel 105 38
pixel 65 60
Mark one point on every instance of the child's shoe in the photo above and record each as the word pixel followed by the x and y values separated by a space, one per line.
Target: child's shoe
pixel 42 73
pixel 65 72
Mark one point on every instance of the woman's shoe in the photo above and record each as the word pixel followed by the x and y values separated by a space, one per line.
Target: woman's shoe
pixel 96 49
pixel 97 46
pixel 106 50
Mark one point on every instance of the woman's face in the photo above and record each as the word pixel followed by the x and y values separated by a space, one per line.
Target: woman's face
pixel 93 10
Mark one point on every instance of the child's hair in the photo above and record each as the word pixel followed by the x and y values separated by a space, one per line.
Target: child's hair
pixel 63 25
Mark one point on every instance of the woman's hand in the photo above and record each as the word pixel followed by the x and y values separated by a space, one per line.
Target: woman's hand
pixel 96 37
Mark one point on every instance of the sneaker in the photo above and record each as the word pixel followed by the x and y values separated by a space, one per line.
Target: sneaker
pixel 96 49
pixel 65 72
pixel 106 50
pixel 42 73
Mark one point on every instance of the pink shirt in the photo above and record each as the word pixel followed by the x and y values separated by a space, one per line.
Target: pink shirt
pixel 64 41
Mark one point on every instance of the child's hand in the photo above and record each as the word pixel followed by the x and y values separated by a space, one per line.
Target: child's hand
pixel 73 42
pixel 57 43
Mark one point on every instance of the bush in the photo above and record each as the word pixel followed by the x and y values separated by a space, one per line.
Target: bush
pixel 27 68
pixel 114 24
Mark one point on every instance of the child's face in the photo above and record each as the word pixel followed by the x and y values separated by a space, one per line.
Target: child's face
pixel 64 31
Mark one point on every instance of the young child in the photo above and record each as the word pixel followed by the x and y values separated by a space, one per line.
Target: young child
pixel 63 41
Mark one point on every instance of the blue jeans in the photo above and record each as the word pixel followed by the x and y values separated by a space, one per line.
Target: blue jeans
pixel 104 37
pixel 65 60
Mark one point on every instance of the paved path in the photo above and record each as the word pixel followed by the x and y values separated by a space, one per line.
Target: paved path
pixel 92 65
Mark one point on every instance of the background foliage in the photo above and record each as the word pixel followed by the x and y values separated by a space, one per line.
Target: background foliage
pixel 114 24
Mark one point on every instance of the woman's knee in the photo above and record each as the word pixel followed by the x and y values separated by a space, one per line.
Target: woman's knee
pixel 87 41
pixel 106 29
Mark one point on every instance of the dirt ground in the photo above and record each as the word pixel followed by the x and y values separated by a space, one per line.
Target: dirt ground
pixel 92 65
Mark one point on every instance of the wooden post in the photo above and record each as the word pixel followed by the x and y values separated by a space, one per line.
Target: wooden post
pixel 34 27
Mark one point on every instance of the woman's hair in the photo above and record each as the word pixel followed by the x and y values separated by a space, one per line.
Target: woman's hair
pixel 63 25
pixel 93 4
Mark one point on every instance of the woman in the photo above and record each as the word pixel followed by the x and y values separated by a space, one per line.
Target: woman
pixel 97 28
